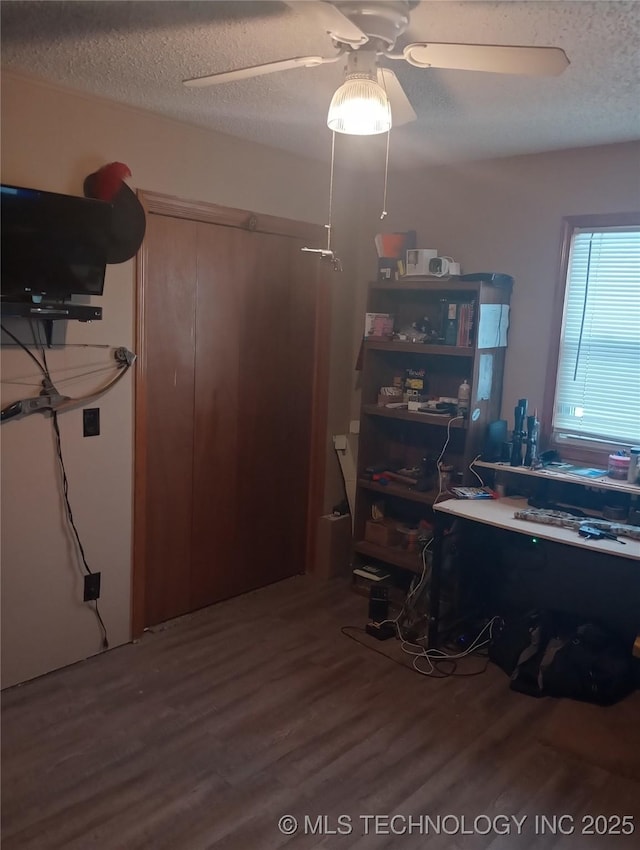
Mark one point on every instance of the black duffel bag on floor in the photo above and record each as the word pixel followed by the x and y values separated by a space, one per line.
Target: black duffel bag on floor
pixel 545 657
pixel 591 665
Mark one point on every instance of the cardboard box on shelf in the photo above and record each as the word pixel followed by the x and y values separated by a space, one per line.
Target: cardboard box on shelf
pixel 382 532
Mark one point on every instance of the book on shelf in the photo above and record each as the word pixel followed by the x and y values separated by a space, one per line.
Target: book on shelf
pixel 457 323
pixel 450 324
pixel 371 572
pixel 465 324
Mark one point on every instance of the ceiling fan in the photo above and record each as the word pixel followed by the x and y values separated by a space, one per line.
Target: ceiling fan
pixel 365 32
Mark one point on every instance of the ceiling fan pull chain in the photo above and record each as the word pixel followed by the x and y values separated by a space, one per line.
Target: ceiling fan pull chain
pixel 386 174
pixel 333 155
pixel 327 253
pixel 383 214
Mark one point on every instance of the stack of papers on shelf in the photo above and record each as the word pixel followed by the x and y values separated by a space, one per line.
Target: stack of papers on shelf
pixel 369 571
pixel 587 472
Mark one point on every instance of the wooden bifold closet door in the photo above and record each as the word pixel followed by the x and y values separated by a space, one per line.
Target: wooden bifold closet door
pixel 227 402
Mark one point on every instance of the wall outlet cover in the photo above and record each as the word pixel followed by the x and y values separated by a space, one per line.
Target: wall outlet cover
pixel 91 422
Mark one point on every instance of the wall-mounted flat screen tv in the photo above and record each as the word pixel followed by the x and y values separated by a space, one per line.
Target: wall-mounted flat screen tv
pixel 53 246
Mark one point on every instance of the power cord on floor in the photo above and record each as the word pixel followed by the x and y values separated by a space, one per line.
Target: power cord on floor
pixel 440 673
pixel 345 632
pixel 439 656
pixel 434 657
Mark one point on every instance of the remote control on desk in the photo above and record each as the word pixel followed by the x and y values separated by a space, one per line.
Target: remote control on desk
pixel 473 493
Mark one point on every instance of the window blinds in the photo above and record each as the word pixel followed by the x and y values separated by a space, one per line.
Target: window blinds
pixel 598 381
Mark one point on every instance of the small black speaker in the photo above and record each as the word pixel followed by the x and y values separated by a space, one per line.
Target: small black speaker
pixel 495 439
pixel 378 604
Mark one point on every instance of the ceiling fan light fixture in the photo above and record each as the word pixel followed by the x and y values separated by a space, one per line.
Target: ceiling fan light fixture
pixel 360 107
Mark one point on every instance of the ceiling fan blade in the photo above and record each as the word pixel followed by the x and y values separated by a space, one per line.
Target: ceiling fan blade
pixel 497 59
pixel 401 110
pixel 334 22
pixel 259 70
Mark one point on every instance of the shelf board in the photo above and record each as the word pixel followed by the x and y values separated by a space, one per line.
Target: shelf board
pixel 418 348
pixel 391 555
pixel 411 416
pixel 428 284
pixel 403 492
pixel 602 483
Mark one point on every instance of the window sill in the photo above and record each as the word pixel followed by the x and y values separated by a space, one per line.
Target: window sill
pixel 587 454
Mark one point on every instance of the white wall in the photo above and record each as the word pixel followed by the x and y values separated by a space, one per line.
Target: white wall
pixel 51 139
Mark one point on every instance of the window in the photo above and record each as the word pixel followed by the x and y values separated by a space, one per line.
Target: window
pixel 597 387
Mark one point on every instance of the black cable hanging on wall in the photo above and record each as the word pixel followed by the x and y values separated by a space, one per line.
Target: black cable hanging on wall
pixel 44 369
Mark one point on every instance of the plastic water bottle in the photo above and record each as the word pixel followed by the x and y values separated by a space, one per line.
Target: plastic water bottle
pixel 464 395
pixel 633 475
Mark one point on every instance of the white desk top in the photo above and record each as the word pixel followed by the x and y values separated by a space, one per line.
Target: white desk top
pixel 499 513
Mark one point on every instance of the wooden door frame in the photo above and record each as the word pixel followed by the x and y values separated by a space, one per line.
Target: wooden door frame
pixel 168 205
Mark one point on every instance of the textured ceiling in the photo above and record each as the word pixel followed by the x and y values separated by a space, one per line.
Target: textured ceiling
pixel 138 53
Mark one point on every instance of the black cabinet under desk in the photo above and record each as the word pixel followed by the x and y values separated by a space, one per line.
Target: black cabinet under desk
pixel 503 563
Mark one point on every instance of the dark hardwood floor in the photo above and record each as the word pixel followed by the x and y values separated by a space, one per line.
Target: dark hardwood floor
pixel 207 731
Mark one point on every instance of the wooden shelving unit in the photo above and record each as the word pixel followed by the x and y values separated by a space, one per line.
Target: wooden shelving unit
pixel 399 437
